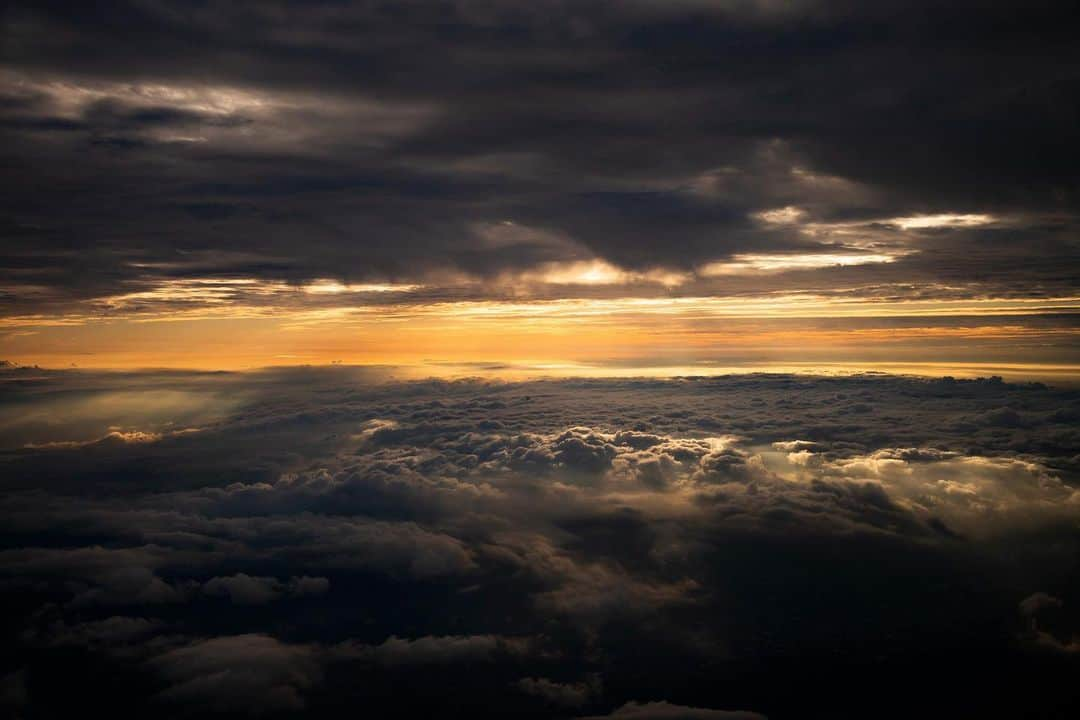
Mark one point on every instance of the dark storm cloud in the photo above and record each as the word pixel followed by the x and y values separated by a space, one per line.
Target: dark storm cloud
pixel 153 140
pixel 319 541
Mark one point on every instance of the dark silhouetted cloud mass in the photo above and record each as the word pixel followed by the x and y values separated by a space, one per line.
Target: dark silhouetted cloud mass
pixel 325 542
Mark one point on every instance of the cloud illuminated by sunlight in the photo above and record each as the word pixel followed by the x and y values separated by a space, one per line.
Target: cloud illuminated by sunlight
pixel 792 215
pixel 599 272
pixel 765 263
pixel 781 216
pixel 333 287
pixel 944 220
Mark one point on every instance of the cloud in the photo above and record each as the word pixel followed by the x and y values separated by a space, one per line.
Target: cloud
pixel 134 436
pixel 972 494
pixel 440 143
pixel 1042 604
pixel 333 536
pixel 568 695
pixel 111 631
pixel 1032 604
pixel 432 650
pixel 96 574
pixel 245 674
pixel 243 589
pixel 667 711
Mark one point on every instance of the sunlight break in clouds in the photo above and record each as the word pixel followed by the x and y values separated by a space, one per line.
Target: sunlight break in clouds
pixel 757 263
pixel 598 272
pixel 334 287
pixel 945 220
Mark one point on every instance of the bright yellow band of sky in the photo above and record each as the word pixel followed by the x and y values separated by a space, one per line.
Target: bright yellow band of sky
pixel 587 336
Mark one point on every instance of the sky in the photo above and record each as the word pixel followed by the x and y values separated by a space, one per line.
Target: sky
pixel 563 359
pixel 583 185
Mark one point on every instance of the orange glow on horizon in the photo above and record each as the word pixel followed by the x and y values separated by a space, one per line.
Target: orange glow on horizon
pixel 240 323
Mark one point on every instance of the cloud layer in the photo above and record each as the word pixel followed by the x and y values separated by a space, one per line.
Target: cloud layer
pixel 483 150
pixel 328 540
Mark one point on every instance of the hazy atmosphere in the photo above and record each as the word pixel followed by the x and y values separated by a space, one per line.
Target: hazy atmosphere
pixel 559 359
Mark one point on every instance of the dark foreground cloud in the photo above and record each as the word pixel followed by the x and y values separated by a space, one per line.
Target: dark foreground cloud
pixel 324 542
pixel 665 710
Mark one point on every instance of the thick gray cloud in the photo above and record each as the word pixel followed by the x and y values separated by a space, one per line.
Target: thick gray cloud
pixel 293 141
